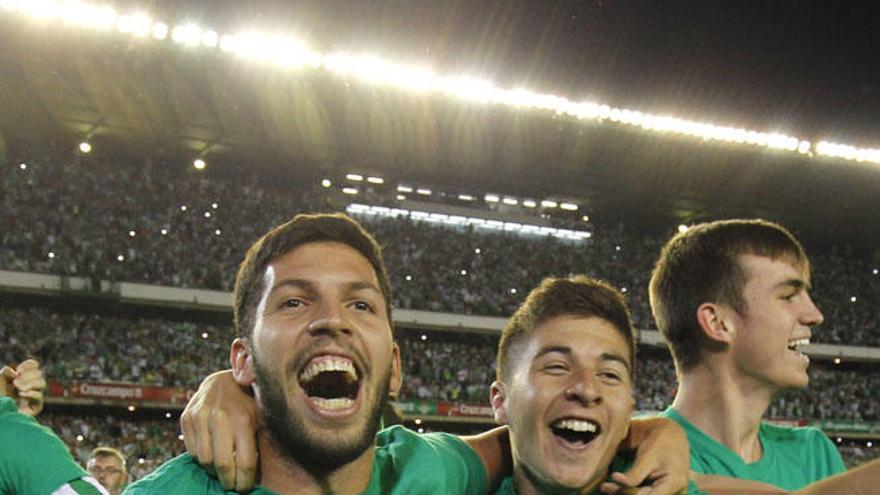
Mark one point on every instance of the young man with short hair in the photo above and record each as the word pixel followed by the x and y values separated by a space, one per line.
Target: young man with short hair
pixel 732 300
pixel 564 386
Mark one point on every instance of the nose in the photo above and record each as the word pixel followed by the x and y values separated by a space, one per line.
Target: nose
pixel 811 315
pixel 329 320
pixel 584 390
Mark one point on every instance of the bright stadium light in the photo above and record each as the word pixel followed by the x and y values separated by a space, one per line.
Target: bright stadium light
pixel 682 228
pixel 401 197
pixel 510 201
pixel 187 34
pixel 375 180
pixel 326 183
pixel 529 203
pixel 549 204
pixel 85 147
pixel 288 52
pixel 465 197
pixel 349 190
pixel 568 206
pixel 404 189
pixel 354 177
pixel 423 191
pixel 199 164
pixel 160 30
pixel 492 198
pixel 209 38
pixel 135 24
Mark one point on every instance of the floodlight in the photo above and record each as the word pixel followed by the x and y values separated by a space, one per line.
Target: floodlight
pixel 465 197
pixel 423 191
pixel 510 201
pixel 349 190
pixel 199 164
pixel 326 183
pixel 375 180
pixel 492 198
pixel 85 147
pixel 682 228
pixel 210 39
pixel 529 203
pixel 568 206
pixel 160 30
pixel 354 177
pixel 549 204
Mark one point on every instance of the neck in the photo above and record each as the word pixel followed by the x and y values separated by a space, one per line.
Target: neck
pixel 284 476
pixel 528 483
pixel 726 406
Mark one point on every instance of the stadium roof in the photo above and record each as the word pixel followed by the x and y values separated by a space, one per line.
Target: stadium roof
pixel 801 68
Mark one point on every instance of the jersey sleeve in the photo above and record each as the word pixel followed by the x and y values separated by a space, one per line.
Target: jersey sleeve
pixel 34 460
pixel 464 469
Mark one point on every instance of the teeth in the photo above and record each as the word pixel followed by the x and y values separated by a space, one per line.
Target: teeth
pixel 322 364
pixel 794 344
pixel 333 404
pixel 576 425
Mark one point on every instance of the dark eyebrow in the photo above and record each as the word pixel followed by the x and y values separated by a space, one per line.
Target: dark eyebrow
pixel 606 356
pixel 610 356
pixel 562 349
pixel 310 288
pixel 295 283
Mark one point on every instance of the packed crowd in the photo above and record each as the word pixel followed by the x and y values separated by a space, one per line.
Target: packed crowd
pixel 105 220
pixel 146 444
pixel 438 366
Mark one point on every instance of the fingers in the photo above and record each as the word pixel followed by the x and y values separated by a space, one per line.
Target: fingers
pixel 222 440
pixel 635 482
pixel 245 457
pixel 7 375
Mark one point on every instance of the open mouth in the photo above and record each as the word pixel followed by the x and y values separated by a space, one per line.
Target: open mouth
pixel 575 432
pixel 796 344
pixel 331 382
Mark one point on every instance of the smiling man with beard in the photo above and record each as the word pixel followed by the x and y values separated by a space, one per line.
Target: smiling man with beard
pixel 316 348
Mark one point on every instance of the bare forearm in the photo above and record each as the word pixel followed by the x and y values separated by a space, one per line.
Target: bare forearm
pixel 862 480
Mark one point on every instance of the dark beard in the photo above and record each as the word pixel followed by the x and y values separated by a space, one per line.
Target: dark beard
pixel 313 452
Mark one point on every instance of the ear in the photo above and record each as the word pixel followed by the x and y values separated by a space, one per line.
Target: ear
pixel 714 323
pixel 242 362
pixel 396 375
pixel 498 399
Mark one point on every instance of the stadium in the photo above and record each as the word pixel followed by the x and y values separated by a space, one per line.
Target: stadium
pixel 145 146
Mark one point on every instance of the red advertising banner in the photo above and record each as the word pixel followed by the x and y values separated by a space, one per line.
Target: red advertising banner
pixel 121 392
pixel 472 410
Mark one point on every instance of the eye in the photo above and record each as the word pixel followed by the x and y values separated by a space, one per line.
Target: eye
pixel 612 376
pixel 291 303
pixel 555 368
pixel 363 306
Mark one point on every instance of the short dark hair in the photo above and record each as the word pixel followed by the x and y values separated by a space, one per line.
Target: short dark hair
pixel 702 265
pixel 574 296
pixel 302 229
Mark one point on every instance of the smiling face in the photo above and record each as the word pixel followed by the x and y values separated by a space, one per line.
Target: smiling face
pixel 321 355
pixel 567 401
pixel 776 322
